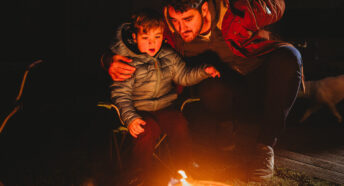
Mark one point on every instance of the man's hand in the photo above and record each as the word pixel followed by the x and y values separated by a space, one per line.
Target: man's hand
pixel 212 72
pixel 119 70
pixel 135 127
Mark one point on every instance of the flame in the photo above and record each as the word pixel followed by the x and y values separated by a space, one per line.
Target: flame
pixel 182 173
pixel 183 179
pixel 192 182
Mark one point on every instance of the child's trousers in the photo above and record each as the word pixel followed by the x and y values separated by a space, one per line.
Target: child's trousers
pixel 168 121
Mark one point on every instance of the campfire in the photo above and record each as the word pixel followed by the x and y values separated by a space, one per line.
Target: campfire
pixel 185 181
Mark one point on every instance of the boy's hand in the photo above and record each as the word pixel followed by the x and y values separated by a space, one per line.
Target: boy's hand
pixel 119 70
pixel 212 72
pixel 135 127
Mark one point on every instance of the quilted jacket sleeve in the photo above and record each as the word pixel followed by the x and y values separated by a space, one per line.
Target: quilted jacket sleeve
pixel 121 96
pixel 187 76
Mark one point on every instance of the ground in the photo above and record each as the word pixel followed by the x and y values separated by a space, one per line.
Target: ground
pixel 65 145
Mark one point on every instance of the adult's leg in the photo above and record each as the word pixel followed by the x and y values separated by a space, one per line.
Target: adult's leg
pixel 282 81
pixel 273 87
pixel 214 112
pixel 173 123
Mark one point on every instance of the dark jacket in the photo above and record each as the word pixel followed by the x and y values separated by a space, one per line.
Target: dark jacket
pixel 152 86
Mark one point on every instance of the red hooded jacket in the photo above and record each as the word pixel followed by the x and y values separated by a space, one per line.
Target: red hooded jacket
pixel 242 24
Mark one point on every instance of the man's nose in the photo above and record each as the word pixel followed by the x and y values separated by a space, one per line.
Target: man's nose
pixel 183 27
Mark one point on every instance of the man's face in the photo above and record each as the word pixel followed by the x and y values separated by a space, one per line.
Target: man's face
pixel 149 42
pixel 188 24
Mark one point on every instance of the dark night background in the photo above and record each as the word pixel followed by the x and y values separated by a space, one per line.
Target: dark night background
pixel 59 111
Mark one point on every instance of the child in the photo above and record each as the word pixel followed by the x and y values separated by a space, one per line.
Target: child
pixel 146 100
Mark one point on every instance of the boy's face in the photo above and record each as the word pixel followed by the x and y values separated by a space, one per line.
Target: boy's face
pixel 149 42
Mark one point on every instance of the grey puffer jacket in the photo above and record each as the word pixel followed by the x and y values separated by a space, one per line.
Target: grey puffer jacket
pixel 152 86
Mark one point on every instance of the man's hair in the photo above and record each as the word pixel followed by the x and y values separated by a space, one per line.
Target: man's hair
pixel 147 19
pixel 184 5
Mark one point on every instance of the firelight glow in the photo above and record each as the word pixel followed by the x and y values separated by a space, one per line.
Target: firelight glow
pixel 192 182
pixel 182 173
pixel 183 181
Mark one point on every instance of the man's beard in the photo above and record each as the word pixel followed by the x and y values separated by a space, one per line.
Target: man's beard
pixel 194 35
pixel 188 36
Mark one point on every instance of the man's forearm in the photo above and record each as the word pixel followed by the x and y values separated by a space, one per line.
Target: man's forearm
pixel 106 59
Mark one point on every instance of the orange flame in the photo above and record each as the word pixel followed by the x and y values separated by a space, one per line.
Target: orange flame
pixel 182 173
pixel 183 179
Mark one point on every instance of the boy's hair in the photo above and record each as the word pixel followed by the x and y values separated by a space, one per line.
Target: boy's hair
pixel 146 19
pixel 184 5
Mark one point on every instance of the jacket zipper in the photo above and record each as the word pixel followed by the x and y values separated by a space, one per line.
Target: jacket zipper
pixel 157 85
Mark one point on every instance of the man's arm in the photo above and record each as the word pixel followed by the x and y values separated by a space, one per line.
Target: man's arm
pixel 257 14
pixel 106 59
pixel 116 66
pixel 245 21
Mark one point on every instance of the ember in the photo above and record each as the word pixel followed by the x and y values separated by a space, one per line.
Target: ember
pixel 185 181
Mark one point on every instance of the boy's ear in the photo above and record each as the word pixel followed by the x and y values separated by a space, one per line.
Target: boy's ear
pixel 134 37
pixel 204 8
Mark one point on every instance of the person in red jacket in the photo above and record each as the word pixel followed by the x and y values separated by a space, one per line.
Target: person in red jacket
pixel 260 76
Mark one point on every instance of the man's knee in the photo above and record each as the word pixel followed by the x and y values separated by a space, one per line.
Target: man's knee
pixel 286 60
pixel 216 95
pixel 290 57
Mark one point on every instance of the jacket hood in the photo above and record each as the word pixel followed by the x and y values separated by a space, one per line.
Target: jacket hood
pixel 124 45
